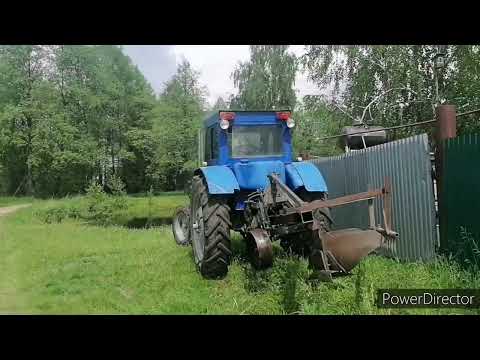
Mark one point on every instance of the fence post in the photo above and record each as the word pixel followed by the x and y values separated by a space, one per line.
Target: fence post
pixel 446 128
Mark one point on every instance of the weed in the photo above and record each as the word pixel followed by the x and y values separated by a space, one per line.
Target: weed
pixel 290 302
pixel 468 251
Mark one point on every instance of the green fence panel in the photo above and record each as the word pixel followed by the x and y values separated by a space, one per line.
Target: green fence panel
pixel 460 196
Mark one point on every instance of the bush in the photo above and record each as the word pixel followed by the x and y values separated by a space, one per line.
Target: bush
pixel 102 208
pixel 116 186
pixel 58 214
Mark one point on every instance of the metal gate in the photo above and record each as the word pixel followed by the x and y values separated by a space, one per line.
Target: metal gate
pixel 408 165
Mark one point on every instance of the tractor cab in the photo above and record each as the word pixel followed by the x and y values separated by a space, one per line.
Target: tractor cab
pixel 244 136
pixel 253 144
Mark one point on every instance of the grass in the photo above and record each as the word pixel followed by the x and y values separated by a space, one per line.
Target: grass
pixel 13 200
pixel 76 268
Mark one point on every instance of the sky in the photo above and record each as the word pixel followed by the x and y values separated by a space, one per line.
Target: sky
pixel 215 63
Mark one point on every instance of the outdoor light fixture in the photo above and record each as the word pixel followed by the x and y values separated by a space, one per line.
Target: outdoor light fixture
pixel 439 58
pixel 225 118
pixel 286 116
pixel 290 123
pixel 224 124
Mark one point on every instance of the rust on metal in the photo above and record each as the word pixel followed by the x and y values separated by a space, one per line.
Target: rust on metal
pixel 350 246
pixel 446 122
pixel 387 203
pixel 371 214
pixel 261 251
pixel 338 252
pixel 344 200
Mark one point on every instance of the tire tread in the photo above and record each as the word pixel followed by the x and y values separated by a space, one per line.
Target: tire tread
pixel 216 214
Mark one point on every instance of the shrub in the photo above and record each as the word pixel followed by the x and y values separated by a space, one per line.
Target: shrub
pixel 116 186
pixel 58 214
pixel 102 208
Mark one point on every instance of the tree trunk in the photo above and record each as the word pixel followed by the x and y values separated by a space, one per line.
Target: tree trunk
pixel 29 181
pixel 112 152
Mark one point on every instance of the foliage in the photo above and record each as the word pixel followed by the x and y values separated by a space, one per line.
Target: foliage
pixel 116 186
pixel 315 118
pixel 178 117
pixel 102 208
pixel 66 113
pixel 58 214
pixel 400 78
pixel 73 113
pixel 265 81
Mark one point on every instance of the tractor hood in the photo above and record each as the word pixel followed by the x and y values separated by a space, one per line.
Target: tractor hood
pixel 252 175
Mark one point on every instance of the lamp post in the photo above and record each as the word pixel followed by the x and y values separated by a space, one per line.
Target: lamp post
pixel 439 64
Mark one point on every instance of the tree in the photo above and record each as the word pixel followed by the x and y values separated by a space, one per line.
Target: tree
pixel 70 114
pixel 107 97
pixel 23 71
pixel 220 104
pixel 178 115
pixel 316 118
pixel 399 80
pixel 265 81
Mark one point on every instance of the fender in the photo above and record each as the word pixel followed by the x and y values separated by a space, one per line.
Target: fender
pixel 220 179
pixel 305 174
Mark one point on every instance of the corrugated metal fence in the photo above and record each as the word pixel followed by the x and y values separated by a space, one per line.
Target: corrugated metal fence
pixel 460 196
pixel 407 163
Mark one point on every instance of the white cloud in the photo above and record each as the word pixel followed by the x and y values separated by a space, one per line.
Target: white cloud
pixel 156 62
pixel 215 63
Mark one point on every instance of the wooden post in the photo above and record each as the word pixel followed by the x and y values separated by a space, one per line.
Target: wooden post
pixel 446 128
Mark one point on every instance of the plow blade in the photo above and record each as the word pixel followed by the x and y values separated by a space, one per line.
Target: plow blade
pixel 344 249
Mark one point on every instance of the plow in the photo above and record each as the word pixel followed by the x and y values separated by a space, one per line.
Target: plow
pixel 279 213
pixel 250 184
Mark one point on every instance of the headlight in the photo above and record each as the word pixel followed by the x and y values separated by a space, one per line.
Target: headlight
pixel 290 123
pixel 224 124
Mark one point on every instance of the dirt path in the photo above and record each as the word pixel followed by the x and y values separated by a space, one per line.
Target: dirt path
pixel 10 209
pixel 8 294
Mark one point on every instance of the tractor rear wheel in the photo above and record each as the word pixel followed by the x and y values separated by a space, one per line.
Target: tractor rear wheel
pixel 210 231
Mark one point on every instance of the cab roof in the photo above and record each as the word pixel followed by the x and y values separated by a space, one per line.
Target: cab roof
pixel 260 116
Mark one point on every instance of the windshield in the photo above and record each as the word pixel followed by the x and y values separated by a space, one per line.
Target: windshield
pixel 255 141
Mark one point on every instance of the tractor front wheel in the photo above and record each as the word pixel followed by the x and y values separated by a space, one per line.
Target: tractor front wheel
pixel 180 226
pixel 210 231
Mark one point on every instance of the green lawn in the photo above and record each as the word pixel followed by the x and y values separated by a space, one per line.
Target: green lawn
pixel 11 200
pixel 76 268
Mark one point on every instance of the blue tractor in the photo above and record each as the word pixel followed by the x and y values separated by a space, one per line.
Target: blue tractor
pixel 249 182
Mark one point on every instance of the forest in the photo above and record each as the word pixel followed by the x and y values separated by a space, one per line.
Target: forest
pixel 71 115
